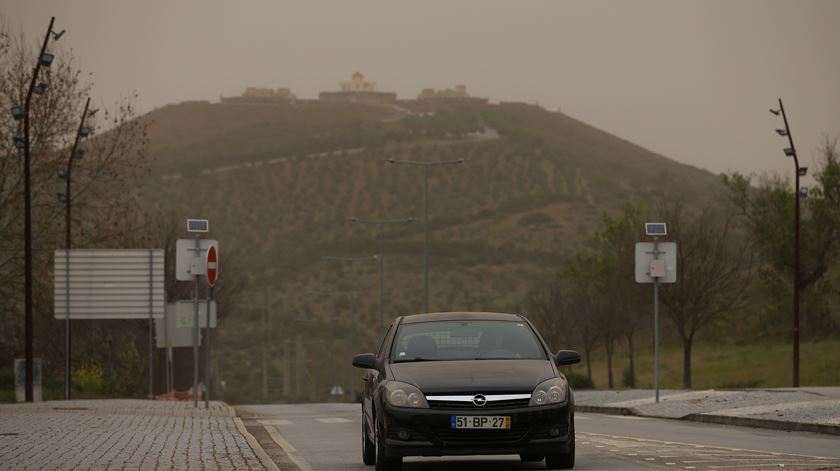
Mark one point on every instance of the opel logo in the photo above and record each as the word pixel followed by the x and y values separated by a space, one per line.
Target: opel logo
pixel 479 400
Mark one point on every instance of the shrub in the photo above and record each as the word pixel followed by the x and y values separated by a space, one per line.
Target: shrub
pixel 578 381
pixel 89 379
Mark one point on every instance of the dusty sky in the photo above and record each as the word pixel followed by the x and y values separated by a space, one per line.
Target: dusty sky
pixel 692 80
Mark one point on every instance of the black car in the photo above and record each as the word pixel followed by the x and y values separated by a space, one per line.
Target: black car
pixel 466 383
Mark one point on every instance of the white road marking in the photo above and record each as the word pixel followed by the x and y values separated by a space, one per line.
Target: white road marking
pixel 275 422
pixel 287 447
pixel 333 420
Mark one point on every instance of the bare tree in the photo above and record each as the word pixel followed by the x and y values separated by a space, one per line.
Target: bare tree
pixel 715 266
pixel 114 160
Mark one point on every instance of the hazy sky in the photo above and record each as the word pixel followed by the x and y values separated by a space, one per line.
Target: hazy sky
pixel 692 80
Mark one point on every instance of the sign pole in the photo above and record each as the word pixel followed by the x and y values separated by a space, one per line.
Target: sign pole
pixel 151 327
pixel 207 350
pixel 195 326
pixel 656 321
pixel 68 379
pixel 166 352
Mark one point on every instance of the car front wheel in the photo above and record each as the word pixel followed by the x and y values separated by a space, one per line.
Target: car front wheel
pixel 368 447
pixel 385 463
pixel 563 460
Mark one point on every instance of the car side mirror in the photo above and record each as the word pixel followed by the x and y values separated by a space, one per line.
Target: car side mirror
pixel 365 360
pixel 566 357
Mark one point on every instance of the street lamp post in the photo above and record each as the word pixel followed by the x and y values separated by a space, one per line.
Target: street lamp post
pixel 380 223
pixel 44 59
pixel 425 165
pixel 799 171
pixel 334 295
pixel 83 131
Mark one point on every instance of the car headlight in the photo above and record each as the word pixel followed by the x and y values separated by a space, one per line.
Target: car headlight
pixel 552 391
pixel 404 395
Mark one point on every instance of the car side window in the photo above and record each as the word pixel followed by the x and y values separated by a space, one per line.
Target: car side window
pixel 381 352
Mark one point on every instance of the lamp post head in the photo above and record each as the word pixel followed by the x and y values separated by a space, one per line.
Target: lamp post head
pixel 775 112
pixel 40 88
pixel 57 36
pixel 61 196
pixel 62 174
pixel 79 154
pixel 92 112
pixel 790 152
pixel 19 142
pixel 17 113
pixel 46 59
pixel 782 132
pixel 84 131
pixel 803 192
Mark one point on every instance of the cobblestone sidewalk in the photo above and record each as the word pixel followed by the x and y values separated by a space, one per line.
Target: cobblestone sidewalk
pixel 122 435
pixel 812 409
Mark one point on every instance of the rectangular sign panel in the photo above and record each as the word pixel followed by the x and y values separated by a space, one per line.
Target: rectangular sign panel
pixel 178 336
pixel 109 284
pixel 184 314
pixel 189 261
pixel 644 262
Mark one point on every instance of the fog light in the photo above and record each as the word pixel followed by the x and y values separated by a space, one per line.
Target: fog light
pixel 404 435
pixel 554 431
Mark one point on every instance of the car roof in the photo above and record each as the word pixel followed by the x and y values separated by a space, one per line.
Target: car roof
pixel 460 316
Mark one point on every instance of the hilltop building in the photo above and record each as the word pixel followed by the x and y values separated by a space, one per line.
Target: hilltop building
pixel 448 94
pixel 358 90
pixel 258 95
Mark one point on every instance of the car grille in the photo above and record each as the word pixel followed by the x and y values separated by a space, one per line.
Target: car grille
pixel 470 406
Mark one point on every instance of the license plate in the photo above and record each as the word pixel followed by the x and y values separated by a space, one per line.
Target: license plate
pixel 479 422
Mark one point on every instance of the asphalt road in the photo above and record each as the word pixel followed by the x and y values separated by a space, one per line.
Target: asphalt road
pixel 328 437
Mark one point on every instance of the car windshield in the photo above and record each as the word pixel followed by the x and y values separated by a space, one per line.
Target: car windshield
pixel 466 340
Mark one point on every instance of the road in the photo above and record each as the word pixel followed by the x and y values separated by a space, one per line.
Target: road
pixel 327 437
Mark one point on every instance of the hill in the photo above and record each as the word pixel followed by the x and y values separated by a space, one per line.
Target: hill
pixel 278 183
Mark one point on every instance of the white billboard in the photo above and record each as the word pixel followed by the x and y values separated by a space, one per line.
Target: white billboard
pixel 109 284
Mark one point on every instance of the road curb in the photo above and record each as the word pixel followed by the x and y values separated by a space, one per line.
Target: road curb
pixel 720 419
pixel 610 410
pixel 764 423
pixel 255 446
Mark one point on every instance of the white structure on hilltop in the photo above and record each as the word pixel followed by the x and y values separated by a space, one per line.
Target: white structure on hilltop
pixel 358 84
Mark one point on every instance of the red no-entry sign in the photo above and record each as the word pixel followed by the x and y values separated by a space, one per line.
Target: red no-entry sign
pixel 212 265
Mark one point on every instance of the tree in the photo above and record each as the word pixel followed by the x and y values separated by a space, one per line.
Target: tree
pixel 615 243
pixel 113 161
pixel 714 269
pixel 768 211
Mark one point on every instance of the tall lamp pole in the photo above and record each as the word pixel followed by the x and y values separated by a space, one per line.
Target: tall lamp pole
pixel 335 295
pixel 798 192
pixel 425 165
pixel 380 223
pixel 75 154
pixel 44 59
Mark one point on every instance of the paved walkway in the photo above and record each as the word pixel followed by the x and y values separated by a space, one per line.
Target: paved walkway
pixel 122 435
pixel 810 409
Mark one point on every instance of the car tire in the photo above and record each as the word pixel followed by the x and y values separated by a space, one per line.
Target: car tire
pixel 527 458
pixel 563 460
pixel 368 447
pixel 385 463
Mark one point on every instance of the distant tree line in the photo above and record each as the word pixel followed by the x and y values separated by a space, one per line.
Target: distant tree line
pixel 735 255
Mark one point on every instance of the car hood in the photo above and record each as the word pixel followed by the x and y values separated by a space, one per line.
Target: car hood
pixel 473 376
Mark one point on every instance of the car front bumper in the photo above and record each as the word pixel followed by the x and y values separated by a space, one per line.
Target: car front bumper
pixel 427 432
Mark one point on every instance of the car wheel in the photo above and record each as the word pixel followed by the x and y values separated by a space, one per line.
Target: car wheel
pixel 563 460
pixel 530 458
pixel 368 447
pixel 385 463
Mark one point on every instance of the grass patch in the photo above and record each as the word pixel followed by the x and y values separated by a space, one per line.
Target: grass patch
pixel 762 365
